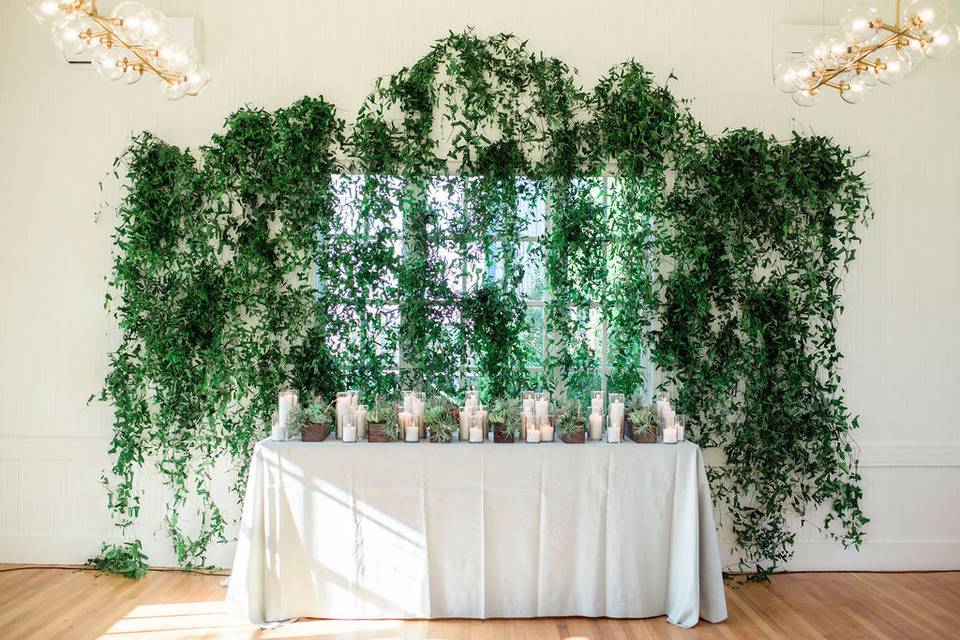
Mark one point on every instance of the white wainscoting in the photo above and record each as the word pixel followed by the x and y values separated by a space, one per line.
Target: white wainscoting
pixel 52 508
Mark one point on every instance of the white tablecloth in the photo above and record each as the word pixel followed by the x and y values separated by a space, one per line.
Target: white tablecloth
pixel 395 530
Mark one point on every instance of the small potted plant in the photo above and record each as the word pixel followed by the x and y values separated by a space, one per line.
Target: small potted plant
pixel 319 419
pixel 438 418
pixel 382 422
pixel 640 421
pixel 571 424
pixel 505 419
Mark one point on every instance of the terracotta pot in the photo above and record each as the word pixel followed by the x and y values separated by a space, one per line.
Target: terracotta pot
pixel 314 432
pixel 375 432
pixel 499 435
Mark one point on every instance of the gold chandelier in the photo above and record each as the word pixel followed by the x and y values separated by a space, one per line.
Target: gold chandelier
pixel 130 42
pixel 867 51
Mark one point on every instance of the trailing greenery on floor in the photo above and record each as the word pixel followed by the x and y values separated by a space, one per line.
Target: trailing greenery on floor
pixel 294 249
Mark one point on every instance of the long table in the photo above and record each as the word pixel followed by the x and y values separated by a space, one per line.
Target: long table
pixel 458 530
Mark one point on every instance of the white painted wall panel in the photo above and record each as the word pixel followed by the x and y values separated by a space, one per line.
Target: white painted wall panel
pixel 61 126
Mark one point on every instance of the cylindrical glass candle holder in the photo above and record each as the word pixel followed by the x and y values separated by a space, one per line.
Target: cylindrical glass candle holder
pixel 597 401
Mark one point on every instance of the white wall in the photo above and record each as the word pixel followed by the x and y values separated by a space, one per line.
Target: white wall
pixel 61 127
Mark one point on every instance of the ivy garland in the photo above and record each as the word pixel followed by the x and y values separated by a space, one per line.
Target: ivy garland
pixel 273 256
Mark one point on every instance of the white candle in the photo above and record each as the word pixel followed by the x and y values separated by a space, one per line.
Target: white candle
pixel 526 422
pixel 278 431
pixel 344 399
pixel 482 416
pixel 546 433
pixel 616 414
pixel 465 414
pixel 670 435
pixel 476 435
pixel 412 433
pixel 596 402
pixel 533 435
pixel 350 434
pixel 613 433
pixel 596 426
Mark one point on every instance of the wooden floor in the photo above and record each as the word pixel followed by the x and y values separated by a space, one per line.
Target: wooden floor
pixel 75 605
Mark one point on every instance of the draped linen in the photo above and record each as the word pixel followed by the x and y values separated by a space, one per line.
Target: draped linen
pixel 396 530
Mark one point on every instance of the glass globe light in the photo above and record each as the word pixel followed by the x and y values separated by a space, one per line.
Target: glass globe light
pixel 173 90
pixel 942 42
pixel 43 10
pixel 177 57
pixel 869 77
pixel 842 48
pixel 110 64
pixel 786 76
pixel 858 23
pixel 128 13
pixel 70 36
pixel 806 97
pixel 153 25
pixel 856 89
pixel 819 51
pixel 927 15
pixel 894 66
pixel 197 80
pixel 133 74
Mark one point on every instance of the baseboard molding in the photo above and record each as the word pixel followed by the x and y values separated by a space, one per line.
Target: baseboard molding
pixel 924 555
pixel 808 556
pixel 76 549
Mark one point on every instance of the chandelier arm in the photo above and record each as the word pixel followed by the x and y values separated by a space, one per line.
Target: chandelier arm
pixel 891 40
pixel 106 24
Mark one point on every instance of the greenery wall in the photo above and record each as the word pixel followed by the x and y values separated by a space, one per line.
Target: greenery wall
pixel 294 249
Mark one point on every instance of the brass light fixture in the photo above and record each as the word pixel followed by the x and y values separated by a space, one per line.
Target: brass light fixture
pixel 867 51
pixel 130 42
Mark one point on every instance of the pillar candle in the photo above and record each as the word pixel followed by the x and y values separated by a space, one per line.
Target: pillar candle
pixel 475 434
pixel 404 420
pixel 616 414
pixel 482 415
pixel 546 433
pixel 670 435
pixel 596 402
pixel 526 422
pixel 278 431
pixel 344 399
pixel 596 426
pixel 533 435
pixel 412 432
pixel 614 432
pixel 350 434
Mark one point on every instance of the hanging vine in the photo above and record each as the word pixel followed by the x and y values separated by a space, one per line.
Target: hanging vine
pixel 263 260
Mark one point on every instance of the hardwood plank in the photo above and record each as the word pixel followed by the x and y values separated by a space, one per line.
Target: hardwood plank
pixel 56 604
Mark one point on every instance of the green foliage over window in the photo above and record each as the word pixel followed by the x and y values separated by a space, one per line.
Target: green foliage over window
pixel 388 254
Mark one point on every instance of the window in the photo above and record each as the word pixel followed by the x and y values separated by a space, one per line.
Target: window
pixel 463 270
